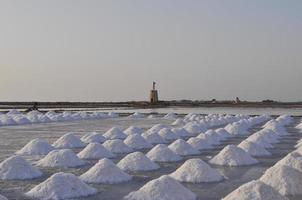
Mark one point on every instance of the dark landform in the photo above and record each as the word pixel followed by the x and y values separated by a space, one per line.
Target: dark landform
pixel 146 105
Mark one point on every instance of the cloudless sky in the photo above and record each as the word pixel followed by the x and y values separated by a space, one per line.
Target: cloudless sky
pixel 98 50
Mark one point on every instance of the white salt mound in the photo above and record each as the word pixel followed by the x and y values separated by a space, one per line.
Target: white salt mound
pixel 68 141
pixel 170 116
pixel 117 146
pixel 232 155
pixel 95 151
pixel 253 148
pixel 133 130
pixel 16 168
pixel 153 138
pixel 137 115
pixel 181 132
pixel 161 153
pixel 182 148
pixel 193 128
pixel 137 161
pixel 293 160
pixel 224 133
pixel 115 133
pixel 260 140
pixel 178 122
pixel 255 190
pixel 285 179
pixel 199 144
pixel 93 137
pixel 167 134
pixel 210 139
pixel 299 150
pixel 3 197
pixel 36 147
pixel 62 158
pixel 299 126
pixel 136 141
pixel 61 186
pixel 106 172
pixel 163 188
pixel 157 128
pixel 196 171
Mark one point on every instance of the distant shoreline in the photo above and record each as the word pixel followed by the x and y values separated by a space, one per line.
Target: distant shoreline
pixel 147 105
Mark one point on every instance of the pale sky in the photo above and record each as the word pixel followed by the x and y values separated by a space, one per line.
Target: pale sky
pixel 98 50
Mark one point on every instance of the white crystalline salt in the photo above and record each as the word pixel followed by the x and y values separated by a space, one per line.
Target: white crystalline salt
pixel 153 138
pixel 62 158
pixel 117 146
pixel 167 134
pixel 236 129
pixel 13 112
pixel 299 150
pixel 182 148
pixel 115 133
pixel 178 122
pixel 93 137
pixel 133 130
pixel 152 117
pixel 253 148
pixel 95 151
pixel 293 160
pixel 137 115
pixel 68 141
pixel 260 140
pixel 137 161
pixel 256 190
pixel 3 197
pixel 36 147
pixel 196 171
pixel 113 115
pixel 157 128
pixel 105 172
pixel 224 133
pixel 136 141
pixel 232 155
pixel 16 168
pixel 299 126
pixel 181 132
pixel 170 116
pixel 161 153
pixel 285 179
pixel 163 188
pixel 199 144
pixel 194 128
pixel 61 186
pixel 210 139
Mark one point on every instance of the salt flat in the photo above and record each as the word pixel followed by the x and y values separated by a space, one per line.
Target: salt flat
pixel 13 138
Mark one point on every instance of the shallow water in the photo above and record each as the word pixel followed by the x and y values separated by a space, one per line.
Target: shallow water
pixel 15 137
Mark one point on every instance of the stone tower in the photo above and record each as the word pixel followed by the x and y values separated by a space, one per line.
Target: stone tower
pixel 153 94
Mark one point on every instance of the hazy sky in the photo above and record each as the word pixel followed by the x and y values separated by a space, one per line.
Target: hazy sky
pixel 71 50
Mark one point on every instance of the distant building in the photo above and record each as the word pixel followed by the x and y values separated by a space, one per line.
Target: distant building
pixel 237 100
pixel 153 94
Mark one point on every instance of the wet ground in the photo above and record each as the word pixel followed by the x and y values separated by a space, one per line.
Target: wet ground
pixel 15 137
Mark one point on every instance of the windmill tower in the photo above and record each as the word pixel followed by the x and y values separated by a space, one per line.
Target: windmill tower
pixel 153 94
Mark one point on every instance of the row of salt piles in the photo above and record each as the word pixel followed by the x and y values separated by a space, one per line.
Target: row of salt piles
pixel 15 117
